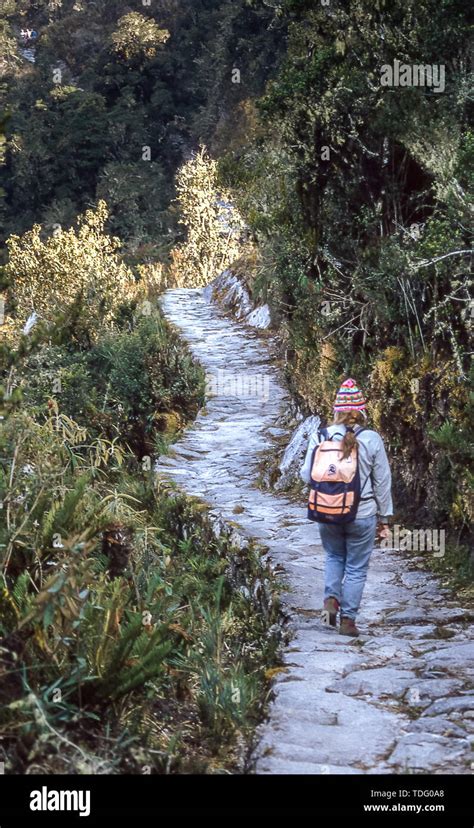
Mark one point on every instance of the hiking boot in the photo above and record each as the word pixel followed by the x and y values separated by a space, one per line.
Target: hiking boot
pixel 348 627
pixel 329 613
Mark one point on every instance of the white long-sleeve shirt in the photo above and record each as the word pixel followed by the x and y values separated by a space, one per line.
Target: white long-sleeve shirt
pixel 373 465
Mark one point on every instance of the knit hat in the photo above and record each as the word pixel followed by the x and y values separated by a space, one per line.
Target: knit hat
pixel 349 397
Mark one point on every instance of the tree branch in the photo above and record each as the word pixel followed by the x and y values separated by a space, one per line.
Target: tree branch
pixel 428 262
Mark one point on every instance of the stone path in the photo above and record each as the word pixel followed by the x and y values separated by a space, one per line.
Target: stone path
pixel 398 699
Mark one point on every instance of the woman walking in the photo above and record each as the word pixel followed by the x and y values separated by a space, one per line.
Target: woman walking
pixel 349 543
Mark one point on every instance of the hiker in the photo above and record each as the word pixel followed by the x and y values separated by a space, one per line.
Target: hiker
pixel 352 510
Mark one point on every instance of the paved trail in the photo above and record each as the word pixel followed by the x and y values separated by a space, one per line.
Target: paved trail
pixel 400 698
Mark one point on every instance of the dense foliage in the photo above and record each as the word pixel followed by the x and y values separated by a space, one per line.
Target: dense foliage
pixel 360 199
pixel 119 96
pixel 116 595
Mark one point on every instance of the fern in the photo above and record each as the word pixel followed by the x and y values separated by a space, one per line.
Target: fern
pixel 47 523
pixel 64 518
pixel 20 591
pixel 148 653
pixel 148 669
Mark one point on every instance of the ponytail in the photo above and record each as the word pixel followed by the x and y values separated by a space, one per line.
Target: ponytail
pixel 348 443
pixel 349 419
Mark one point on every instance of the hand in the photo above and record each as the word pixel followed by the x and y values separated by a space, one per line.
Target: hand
pixel 383 531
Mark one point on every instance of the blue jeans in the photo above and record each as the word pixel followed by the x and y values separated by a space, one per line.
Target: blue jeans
pixel 348 549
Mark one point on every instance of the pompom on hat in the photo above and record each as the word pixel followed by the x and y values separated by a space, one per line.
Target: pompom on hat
pixel 349 397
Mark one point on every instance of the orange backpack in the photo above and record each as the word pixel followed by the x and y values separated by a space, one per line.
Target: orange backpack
pixel 335 482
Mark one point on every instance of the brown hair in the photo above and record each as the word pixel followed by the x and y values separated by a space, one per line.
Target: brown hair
pixel 348 418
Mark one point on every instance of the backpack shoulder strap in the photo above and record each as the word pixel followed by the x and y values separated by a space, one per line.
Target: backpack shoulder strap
pixel 322 435
pixel 370 473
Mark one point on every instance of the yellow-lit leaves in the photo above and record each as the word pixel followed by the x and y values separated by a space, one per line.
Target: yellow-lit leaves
pixel 137 37
pixel 50 275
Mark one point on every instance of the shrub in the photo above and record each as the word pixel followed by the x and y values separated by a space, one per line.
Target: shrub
pixel 70 268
